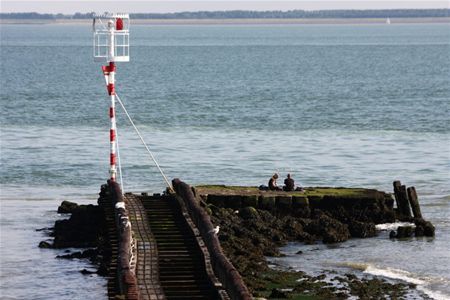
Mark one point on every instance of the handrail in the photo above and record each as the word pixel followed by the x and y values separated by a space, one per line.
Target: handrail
pixel 223 269
pixel 126 263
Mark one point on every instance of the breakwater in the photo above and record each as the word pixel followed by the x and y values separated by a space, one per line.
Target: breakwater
pixel 211 241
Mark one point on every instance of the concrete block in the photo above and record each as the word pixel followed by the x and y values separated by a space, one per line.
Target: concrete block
pixel 314 201
pixel 216 200
pixel 250 200
pixel 232 201
pixel 300 201
pixel 267 202
pixel 284 201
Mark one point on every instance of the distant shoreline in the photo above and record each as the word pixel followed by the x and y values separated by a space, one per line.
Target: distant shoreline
pixel 267 21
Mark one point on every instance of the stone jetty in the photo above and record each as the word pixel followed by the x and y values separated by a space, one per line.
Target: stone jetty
pixel 214 239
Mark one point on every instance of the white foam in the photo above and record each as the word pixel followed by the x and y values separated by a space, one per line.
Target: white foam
pixel 353 265
pixel 421 284
pixel 433 294
pixel 392 226
pixel 394 274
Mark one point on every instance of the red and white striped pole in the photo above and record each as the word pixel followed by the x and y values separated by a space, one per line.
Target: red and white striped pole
pixel 111 71
pixel 112 117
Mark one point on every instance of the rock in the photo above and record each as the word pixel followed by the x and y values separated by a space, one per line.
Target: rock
pixel 419 231
pixel 299 252
pixel 392 234
pixel 335 235
pixel 67 207
pixel 223 237
pixel 276 237
pixel 252 234
pixel 320 277
pixel 351 276
pixel 362 229
pixel 424 227
pixel 278 293
pixel 208 210
pixel 248 212
pixel 80 230
pixel 87 272
pixel 429 229
pixel 89 253
pixel 45 229
pixel 45 245
pixel 404 232
pixel 331 230
pixel 292 227
pixel 303 212
pixel 272 252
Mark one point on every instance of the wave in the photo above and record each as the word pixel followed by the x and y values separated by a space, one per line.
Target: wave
pixel 394 274
pixel 392 226
pixel 433 294
pixel 423 284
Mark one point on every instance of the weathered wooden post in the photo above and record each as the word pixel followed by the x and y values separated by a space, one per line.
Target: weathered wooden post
pixel 401 198
pixel 414 202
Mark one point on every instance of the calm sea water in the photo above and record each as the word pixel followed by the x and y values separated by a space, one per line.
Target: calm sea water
pixel 346 105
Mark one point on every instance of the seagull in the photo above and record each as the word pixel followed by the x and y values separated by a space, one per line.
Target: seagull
pixel 215 230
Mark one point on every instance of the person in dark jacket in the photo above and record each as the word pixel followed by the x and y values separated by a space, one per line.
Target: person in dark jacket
pixel 289 184
pixel 273 183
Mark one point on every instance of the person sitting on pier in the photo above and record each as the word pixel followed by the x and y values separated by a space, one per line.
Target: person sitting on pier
pixel 289 185
pixel 273 183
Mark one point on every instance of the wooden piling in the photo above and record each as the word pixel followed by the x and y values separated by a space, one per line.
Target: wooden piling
pixel 414 202
pixel 401 198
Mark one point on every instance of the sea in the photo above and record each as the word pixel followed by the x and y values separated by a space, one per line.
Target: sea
pixel 334 105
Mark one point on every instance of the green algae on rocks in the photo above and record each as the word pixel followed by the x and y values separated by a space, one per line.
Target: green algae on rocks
pixel 255 223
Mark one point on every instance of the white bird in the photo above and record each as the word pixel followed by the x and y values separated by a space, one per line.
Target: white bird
pixel 216 230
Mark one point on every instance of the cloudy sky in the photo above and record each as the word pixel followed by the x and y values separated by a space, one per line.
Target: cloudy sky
pixel 68 7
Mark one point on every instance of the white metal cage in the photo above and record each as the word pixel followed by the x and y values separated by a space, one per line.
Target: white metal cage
pixel 111 38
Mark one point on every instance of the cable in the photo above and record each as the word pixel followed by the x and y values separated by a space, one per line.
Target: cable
pixel 143 142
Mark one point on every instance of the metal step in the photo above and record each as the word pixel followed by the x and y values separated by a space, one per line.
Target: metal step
pixel 181 264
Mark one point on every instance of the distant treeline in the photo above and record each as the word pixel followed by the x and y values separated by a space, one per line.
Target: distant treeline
pixel 245 14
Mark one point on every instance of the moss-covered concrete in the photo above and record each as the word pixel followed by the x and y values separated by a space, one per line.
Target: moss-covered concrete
pixel 298 202
pixel 308 191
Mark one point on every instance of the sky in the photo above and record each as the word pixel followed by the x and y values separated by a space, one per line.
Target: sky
pixel 70 7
